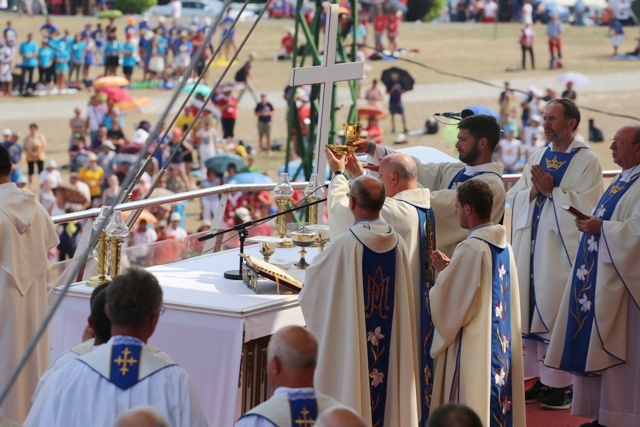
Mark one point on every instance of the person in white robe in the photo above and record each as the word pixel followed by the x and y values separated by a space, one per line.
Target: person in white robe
pixel 544 239
pixel 27 235
pixel 357 299
pixel 475 309
pixel 292 356
pixel 478 136
pixel 123 373
pixel 406 209
pixel 596 334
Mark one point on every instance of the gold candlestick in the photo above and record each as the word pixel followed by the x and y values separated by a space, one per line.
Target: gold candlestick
pixel 102 276
pixel 116 254
pixel 283 204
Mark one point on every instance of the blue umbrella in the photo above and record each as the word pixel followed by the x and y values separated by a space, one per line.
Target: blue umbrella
pixel 481 109
pixel 220 162
pixel 251 178
pixel 200 89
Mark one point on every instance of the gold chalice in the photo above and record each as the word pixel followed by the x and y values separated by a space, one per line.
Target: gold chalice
pixel 303 238
pixel 352 131
pixel 266 250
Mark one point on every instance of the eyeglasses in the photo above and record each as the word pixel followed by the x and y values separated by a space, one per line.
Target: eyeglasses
pixel 162 310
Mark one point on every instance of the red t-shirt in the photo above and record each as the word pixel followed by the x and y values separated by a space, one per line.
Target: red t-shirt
pixel 228 107
pixel 392 25
pixel 287 43
pixel 379 23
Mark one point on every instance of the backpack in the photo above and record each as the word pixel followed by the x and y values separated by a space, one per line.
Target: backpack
pixel 241 74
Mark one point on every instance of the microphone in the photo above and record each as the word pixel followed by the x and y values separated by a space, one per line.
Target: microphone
pixel 459 115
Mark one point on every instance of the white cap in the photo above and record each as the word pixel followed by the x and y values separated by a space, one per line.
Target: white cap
pixel 535 118
pixel 92 157
pixel 6 132
pixel 140 136
pixel 51 164
pixel 243 214
pixel 175 217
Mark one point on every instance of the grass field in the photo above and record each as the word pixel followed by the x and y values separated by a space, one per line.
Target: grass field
pixel 480 51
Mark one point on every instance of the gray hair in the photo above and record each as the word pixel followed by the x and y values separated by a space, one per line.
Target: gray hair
pixel 283 345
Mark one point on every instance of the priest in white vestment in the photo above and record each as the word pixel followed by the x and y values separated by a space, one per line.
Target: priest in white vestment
pixel 406 209
pixel 596 334
pixel 27 234
pixel 357 299
pixel 123 373
pixel 476 312
pixel 292 357
pixel 478 136
pixel 544 239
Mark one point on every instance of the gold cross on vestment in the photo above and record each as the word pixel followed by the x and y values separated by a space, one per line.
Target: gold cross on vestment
pixel 303 420
pixel 122 362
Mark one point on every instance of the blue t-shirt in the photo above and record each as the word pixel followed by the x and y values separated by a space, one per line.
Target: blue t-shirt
pixel 14 150
pixel 396 96
pixel 226 27
pixel 10 34
pixel 47 30
pixel 77 51
pixel 112 48
pixel 29 49
pixel 616 26
pixel 264 108
pixel 186 47
pixel 128 50
pixel 62 54
pixel 45 57
pixel 163 45
pixel 130 29
pixel 98 36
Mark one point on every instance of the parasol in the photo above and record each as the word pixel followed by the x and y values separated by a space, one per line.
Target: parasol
pixel 220 162
pixel 403 76
pixel 134 105
pixel 201 89
pixel 72 195
pixel 110 81
pixel 116 94
pixel 251 178
pixel 371 110
pixel 109 14
pixel 578 79
pixel 144 214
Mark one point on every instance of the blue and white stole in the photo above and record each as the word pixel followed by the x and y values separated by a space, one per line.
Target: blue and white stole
pixel 501 386
pixel 125 361
pixel 304 408
pixel 379 276
pixel 461 177
pixel 583 285
pixel 427 229
pixel 555 163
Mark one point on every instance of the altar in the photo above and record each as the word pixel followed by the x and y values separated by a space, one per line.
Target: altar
pixel 217 329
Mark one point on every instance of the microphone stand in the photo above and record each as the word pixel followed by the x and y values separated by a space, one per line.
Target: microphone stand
pixel 242 233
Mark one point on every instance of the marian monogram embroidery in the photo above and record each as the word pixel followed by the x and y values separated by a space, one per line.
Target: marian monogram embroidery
pixel 378 293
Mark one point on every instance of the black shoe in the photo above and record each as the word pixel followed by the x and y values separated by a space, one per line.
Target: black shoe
pixel 537 392
pixel 593 423
pixel 559 398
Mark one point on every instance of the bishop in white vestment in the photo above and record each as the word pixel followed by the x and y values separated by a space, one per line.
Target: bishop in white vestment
pixel 27 234
pixel 358 300
pixel 596 333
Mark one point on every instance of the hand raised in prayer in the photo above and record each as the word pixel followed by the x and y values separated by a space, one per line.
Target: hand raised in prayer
pixel 542 180
pixel 439 260
pixel 336 164
pixel 593 225
pixel 362 145
pixel 354 167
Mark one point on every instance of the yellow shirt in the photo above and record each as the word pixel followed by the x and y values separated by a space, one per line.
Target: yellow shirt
pixel 92 177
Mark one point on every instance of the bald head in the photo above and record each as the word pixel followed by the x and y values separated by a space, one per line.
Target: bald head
pixel 368 195
pixel 144 416
pixel 292 356
pixel 340 417
pixel 398 172
pixel 295 346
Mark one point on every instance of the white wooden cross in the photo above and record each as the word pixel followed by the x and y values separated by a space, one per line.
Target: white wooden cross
pixel 326 74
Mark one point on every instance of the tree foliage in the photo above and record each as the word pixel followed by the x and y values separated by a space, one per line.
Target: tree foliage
pixel 134 6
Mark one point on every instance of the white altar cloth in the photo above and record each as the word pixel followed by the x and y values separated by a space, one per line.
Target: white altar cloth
pixel 207 320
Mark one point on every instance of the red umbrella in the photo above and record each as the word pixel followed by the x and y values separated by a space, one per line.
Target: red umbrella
pixel 365 111
pixel 116 94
